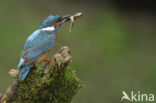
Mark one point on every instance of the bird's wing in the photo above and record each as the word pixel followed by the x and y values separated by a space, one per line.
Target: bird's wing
pixel 36 45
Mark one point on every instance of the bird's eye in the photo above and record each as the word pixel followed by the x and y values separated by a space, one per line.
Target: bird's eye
pixel 59 19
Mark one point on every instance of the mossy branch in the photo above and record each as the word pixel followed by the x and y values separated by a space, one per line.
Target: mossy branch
pixel 57 84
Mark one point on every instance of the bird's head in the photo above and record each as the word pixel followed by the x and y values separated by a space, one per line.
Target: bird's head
pixel 55 21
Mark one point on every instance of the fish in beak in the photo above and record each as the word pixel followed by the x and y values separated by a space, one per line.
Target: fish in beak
pixel 70 18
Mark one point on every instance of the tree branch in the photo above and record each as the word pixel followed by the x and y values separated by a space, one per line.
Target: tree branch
pixel 57 84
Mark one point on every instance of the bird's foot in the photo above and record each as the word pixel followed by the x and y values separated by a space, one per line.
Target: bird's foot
pixel 47 62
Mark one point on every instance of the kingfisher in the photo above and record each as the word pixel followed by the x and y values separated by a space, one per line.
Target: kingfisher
pixel 40 43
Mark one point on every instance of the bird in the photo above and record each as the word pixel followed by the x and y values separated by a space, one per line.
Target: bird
pixel 40 43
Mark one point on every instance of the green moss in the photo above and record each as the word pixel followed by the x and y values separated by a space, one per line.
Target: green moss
pixel 57 85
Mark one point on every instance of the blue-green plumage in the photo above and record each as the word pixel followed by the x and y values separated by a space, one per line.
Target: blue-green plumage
pixel 38 43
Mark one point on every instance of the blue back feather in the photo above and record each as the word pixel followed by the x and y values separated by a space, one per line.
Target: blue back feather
pixel 41 43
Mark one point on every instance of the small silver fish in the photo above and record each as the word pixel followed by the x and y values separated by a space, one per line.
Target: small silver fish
pixel 72 19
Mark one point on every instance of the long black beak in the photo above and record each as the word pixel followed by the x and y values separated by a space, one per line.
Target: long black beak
pixel 70 17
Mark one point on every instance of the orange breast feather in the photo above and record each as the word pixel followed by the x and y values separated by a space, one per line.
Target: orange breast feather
pixel 43 56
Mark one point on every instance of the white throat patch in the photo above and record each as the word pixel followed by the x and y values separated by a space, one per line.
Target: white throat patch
pixel 52 28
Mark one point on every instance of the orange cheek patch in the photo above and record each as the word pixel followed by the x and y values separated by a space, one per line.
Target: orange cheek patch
pixel 56 24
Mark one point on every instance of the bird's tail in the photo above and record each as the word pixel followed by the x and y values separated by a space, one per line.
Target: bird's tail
pixel 24 70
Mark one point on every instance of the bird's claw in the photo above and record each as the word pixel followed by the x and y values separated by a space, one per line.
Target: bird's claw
pixel 47 62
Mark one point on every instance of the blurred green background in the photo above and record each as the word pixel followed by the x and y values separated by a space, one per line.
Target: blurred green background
pixel 113 45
